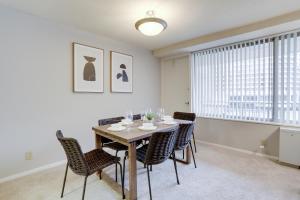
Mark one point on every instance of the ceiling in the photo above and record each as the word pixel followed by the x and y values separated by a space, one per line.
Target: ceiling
pixel 186 19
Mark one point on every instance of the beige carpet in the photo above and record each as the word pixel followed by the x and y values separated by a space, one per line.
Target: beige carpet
pixel 221 175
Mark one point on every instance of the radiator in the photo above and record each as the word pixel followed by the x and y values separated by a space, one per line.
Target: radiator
pixel 289 145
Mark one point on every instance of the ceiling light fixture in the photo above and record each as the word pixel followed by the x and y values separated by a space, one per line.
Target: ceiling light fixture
pixel 151 25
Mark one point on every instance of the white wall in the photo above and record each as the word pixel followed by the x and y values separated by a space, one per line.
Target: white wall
pixel 175 84
pixel 36 89
pixel 237 134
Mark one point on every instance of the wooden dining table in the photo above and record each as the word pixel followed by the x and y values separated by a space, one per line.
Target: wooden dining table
pixel 129 137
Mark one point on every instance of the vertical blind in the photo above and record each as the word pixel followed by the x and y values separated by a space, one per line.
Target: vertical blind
pixel 256 80
pixel 287 76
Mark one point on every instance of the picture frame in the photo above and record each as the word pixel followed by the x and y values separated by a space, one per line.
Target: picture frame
pixel 88 69
pixel 121 70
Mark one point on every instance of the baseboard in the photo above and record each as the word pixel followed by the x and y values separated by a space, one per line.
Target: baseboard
pixel 32 171
pixel 237 149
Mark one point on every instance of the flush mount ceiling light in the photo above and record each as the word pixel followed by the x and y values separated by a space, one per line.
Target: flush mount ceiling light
pixel 151 25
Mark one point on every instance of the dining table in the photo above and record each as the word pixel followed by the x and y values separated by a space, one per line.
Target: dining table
pixel 129 137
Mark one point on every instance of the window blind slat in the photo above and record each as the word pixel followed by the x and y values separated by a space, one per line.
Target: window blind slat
pixel 253 100
pixel 271 76
pixel 202 82
pixel 294 75
pixel 282 80
pixel 241 106
pixel 287 84
pixel 214 83
pixel 264 69
pixel 258 105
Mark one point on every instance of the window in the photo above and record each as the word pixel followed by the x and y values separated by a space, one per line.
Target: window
pixel 256 80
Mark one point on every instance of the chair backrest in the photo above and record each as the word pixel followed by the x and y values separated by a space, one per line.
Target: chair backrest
pixel 137 117
pixel 161 146
pixel 107 121
pixel 184 136
pixel 184 116
pixel 76 160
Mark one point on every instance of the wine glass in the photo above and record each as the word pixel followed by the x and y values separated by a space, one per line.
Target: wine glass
pixel 161 113
pixel 129 115
pixel 143 115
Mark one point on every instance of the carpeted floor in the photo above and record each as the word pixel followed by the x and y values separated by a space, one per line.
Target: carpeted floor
pixel 221 175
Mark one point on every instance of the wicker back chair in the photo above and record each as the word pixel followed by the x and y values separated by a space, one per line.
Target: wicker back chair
pixel 112 120
pixel 189 117
pixel 108 143
pixel 137 117
pixel 159 149
pixel 184 138
pixel 103 122
pixel 184 116
pixel 74 154
pixel 85 164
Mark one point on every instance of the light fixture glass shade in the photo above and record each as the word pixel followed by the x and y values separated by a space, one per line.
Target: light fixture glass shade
pixel 151 26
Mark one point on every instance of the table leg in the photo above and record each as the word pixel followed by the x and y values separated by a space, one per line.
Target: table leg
pixel 98 145
pixel 132 171
pixel 98 141
pixel 188 154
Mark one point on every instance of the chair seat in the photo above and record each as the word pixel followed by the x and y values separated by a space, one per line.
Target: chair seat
pixel 182 147
pixel 141 153
pixel 98 159
pixel 116 146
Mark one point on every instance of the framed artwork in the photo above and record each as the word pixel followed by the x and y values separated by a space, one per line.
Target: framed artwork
pixel 88 68
pixel 121 72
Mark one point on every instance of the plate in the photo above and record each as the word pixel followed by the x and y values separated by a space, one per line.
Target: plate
pixel 147 128
pixel 126 123
pixel 121 128
pixel 167 117
pixel 169 122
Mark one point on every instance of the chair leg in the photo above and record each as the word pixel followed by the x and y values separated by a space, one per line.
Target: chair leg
pixel 149 184
pixel 175 166
pixel 122 178
pixel 124 165
pixel 194 142
pixel 193 154
pixel 151 168
pixel 84 186
pixel 183 154
pixel 65 178
pixel 116 171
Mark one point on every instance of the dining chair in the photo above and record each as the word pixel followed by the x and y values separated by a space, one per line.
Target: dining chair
pixel 85 164
pixel 184 138
pixel 158 150
pixel 137 117
pixel 117 147
pixel 108 143
pixel 189 117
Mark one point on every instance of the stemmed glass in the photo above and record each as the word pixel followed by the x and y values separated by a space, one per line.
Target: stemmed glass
pixel 161 113
pixel 129 115
pixel 143 115
pixel 128 118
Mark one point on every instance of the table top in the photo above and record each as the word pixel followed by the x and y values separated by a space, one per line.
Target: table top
pixel 132 133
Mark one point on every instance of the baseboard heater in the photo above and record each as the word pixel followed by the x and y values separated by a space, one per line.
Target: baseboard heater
pixel 289 145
